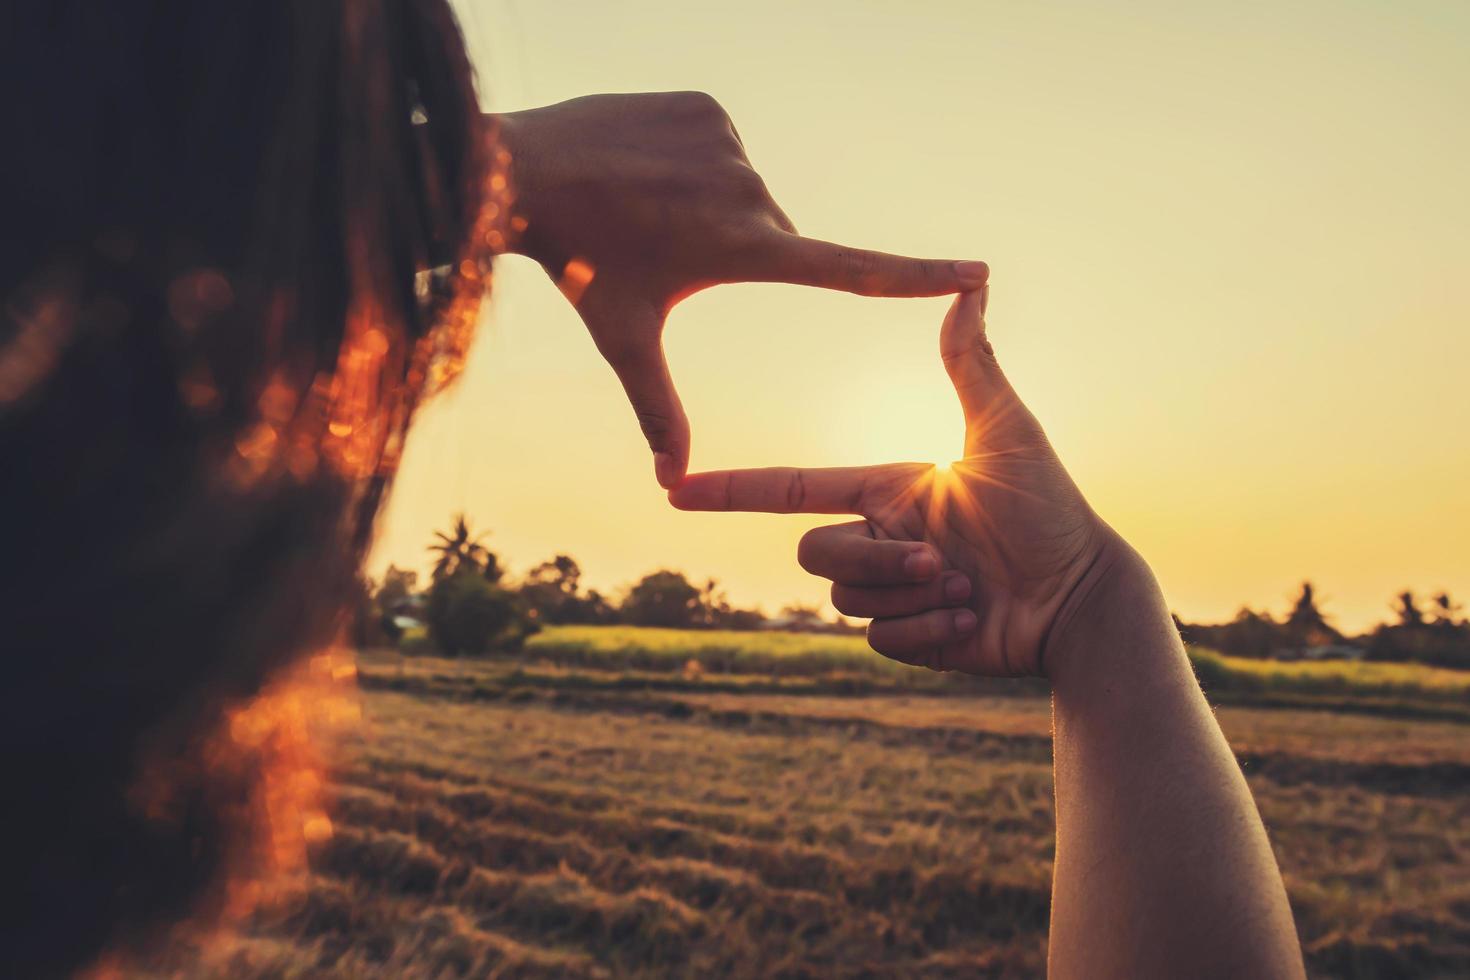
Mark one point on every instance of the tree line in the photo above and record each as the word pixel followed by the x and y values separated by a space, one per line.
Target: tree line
pixel 471 605
pixel 1430 630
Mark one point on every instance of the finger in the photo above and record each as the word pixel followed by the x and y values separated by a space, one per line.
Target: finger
pixel 948 589
pixel 917 639
pixel 630 340
pixel 848 553
pixel 969 358
pixel 810 262
pixel 789 490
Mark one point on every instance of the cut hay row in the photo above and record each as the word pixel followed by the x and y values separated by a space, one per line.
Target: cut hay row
pixel 1415 778
pixel 866 884
pixel 638 912
pixel 561 828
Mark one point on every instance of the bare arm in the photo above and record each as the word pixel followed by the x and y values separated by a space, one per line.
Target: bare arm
pixel 998 566
pixel 1162 865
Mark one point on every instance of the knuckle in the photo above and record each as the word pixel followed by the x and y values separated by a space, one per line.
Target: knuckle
pixel 749 186
pixel 795 492
pixel 857 265
pixel 701 104
pixel 656 426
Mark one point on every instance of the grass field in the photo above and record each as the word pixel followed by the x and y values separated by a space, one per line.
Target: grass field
pixel 795 806
pixel 845 664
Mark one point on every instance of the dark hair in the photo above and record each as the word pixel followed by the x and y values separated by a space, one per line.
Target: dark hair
pixel 238 242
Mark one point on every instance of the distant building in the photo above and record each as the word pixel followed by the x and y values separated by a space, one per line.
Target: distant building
pixel 804 622
pixel 788 624
pixel 407 613
pixel 1332 651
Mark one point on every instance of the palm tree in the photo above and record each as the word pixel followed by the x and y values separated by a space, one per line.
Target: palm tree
pixel 461 549
pixel 1409 613
pixel 714 605
pixel 1305 624
pixel 1445 610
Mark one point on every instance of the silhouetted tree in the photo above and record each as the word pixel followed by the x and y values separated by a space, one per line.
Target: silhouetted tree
pixel 743 619
pixel 714 605
pixel 461 547
pixel 596 608
pixel 1305 625
pixel 1438 639
pixel 1407 609
pixel 552 590
pixel 663 598
pixel 470 615
pixel 563 571
pixel 1249 634
pixel 1445 611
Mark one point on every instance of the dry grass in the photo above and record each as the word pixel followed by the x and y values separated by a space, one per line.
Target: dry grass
pixel 558 819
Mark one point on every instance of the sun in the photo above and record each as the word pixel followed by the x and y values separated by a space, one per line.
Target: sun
pixel 922 427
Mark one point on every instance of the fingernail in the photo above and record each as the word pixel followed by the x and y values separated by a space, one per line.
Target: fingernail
pixel 964 621
pixel 984 299
pixel 920 565
pixel 956 587
pixel 665 470
pixel 972 274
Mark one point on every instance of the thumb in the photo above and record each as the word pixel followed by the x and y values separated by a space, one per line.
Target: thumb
pixel 970 360
pixel 630 339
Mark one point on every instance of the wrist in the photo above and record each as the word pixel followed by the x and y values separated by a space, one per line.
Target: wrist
pixel 1114 610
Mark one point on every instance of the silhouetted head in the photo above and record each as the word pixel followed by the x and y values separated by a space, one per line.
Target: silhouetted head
pixel 238 241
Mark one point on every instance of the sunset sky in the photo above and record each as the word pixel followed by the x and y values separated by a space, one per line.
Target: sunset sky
pixel 1230 252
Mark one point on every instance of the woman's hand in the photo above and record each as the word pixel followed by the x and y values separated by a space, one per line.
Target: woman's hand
pixel 973 567
pixel 633 202
pixel 1163 868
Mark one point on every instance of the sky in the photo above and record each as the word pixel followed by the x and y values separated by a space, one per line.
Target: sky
pixel 1230 253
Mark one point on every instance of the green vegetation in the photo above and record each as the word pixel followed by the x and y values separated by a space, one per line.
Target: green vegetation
pixel 551 594
pixel 1222 674
pixel 770 653
pixel 470 615
pixel 1438 635
pixel 834 662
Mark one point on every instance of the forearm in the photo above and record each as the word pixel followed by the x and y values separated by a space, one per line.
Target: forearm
pixel 1163 868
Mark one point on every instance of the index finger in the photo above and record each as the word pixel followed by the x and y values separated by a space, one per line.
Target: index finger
pixel 797 490
pixel 775 490
pixel 810 262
